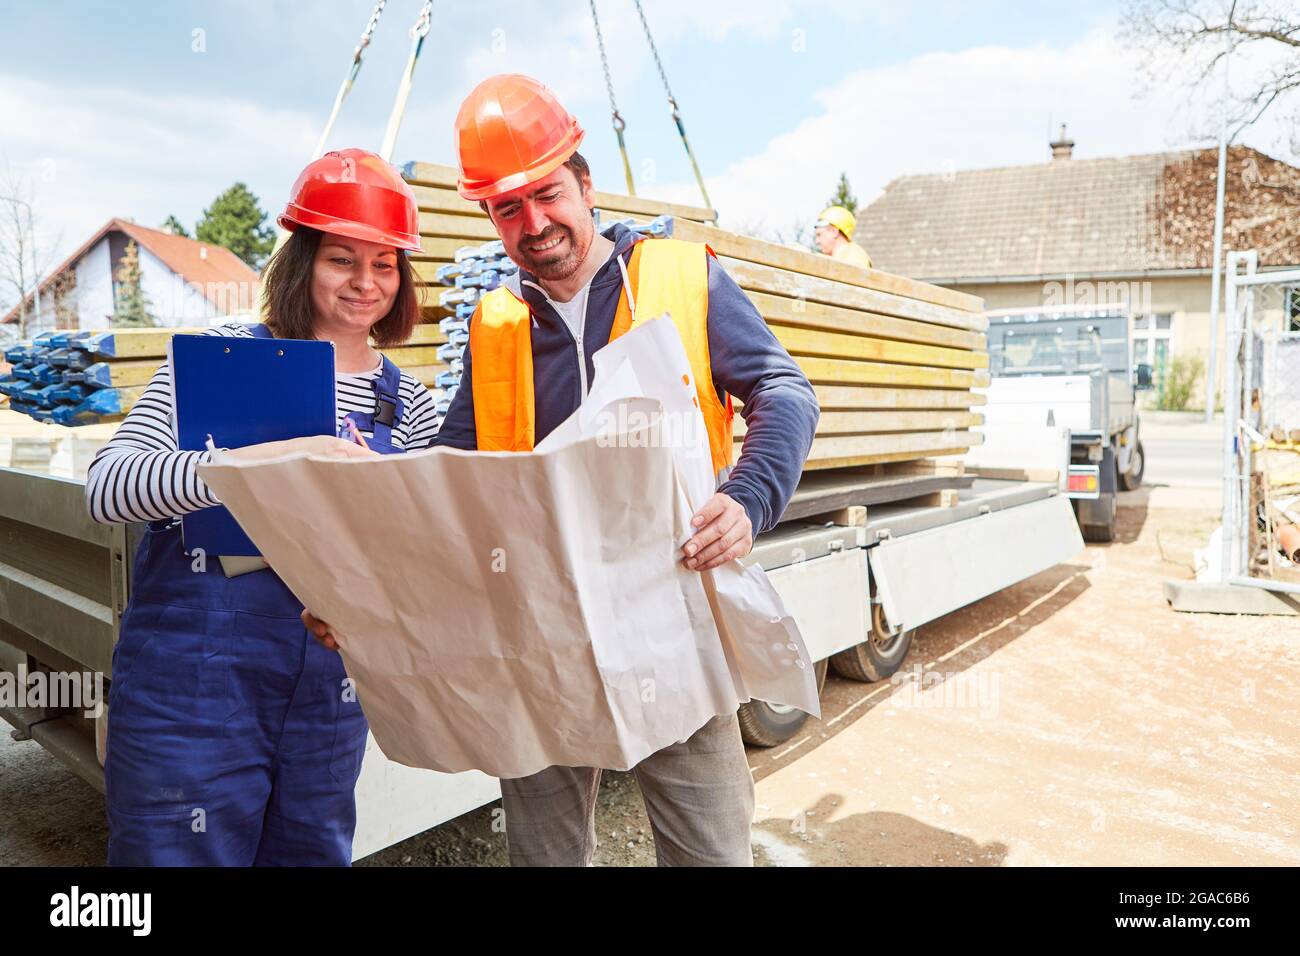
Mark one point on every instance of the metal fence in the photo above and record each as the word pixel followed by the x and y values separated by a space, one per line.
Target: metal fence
pixel 1261 411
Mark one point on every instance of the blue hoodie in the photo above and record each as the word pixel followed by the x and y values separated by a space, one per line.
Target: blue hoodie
pixel 780 409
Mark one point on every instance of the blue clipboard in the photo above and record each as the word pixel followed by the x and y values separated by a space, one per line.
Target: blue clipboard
pixel 245 391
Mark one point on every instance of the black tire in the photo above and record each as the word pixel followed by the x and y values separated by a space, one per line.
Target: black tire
pixel 1132 479
pixel 876 658
pixel 764 725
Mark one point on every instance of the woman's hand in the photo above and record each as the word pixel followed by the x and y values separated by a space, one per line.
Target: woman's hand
pixel 322 445
pixel 319 630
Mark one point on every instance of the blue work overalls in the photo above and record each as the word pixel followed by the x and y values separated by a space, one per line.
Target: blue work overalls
pixel 233 737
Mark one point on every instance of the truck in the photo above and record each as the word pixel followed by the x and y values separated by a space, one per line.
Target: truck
pixel 1067 367
pixel 855 559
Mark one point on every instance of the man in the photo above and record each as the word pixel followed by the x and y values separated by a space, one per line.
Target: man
pixel 834 236
pixel 529 365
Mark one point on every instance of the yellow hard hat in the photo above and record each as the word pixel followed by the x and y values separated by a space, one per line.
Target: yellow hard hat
pixel 840 218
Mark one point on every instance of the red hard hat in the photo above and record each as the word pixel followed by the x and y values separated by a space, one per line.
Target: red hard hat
pixel 353 192
pixel 511 131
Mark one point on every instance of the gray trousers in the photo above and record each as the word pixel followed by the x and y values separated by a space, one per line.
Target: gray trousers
pixel 699 796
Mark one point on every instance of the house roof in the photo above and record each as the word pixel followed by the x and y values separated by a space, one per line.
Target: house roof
pixel 1120 216
pixel 211 268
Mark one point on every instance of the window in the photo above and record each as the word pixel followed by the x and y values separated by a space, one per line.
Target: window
pixel 1152 340
pixel 1293 309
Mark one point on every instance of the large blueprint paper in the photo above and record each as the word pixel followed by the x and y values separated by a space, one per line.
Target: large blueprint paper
pixel 510 611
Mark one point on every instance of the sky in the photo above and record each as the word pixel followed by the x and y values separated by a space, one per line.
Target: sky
pixel 147 109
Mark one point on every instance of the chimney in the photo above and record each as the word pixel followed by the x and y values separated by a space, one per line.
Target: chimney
pixel 1063 148
pixel 203 252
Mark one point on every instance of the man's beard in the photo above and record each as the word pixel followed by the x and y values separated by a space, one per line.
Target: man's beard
pixel 557 264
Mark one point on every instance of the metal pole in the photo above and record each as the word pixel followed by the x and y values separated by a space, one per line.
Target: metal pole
pixel 1218 236
pixel 1246 514
pixel 1230 416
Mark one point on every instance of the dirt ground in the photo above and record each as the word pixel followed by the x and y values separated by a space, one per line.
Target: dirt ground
pixel 1072 719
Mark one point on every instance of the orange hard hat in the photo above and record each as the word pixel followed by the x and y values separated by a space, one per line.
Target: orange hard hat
pixel 511 131
pixel 354 192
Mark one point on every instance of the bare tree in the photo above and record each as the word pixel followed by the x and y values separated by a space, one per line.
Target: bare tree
pixel 796 233
pixel 1189 39
pixel 21 263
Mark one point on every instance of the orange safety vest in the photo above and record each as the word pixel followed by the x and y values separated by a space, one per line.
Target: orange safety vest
pixel 666 275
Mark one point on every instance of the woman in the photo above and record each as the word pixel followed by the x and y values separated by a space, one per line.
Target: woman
pixel 234 738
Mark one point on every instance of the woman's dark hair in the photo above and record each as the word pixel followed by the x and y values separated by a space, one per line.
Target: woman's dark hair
pixel 286 285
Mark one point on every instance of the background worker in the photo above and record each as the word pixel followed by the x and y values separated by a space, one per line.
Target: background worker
pixel 527 368
pixel 833 233
pixel 232 739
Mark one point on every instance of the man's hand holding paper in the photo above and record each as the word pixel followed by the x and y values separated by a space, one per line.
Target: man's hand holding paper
pixel 554 621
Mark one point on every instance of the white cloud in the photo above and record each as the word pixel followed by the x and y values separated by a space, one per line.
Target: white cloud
pixel 978 108
pixel 92 153
pixel 147 152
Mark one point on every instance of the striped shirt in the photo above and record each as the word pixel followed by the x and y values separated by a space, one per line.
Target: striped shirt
pixel 141 476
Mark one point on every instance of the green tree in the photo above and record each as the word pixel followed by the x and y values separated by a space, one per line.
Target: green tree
pixel 131 305
pixel 236 221
pixel 175 227
pixel 843 195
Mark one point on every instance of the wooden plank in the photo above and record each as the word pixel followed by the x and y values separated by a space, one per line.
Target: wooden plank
pixel 430 174
pixel 817 315
pixel 813 264
pixel 796 286
pixel 134 343
pixel 948 498
pixel 949 468
pixel 425 374
pixel 857 423
pixel 414 355
pixel 838 345
pixel 853 397
pixel 434 199
pixel 846 372
pixel 919 444
pixel 473 229
pixel 117 374
pixel 426 333
pixel 1016 474
pixel 823 491
pixel 426 266
pixel 858 460
pixel 439 249
pixel 652 208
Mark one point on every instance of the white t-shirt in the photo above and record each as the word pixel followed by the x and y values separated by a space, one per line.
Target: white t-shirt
pixel 574 312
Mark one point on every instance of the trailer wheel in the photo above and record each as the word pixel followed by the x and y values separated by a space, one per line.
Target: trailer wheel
pixel 766 725
pixel 878 656
pixel 1132 478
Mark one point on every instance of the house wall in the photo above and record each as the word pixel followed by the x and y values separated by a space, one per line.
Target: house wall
pixel 172 301
pixel 95 286
pixel 1185 298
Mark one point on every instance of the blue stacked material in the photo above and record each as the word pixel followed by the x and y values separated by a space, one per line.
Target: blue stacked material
pixel 98 405
pixel 475 271
pixel 73 377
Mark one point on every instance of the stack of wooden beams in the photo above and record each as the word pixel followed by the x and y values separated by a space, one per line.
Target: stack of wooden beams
pixel 82 377
pixel 73 377
pixel 894 361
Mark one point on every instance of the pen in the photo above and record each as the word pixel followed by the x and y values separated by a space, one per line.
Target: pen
pixel 354 433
